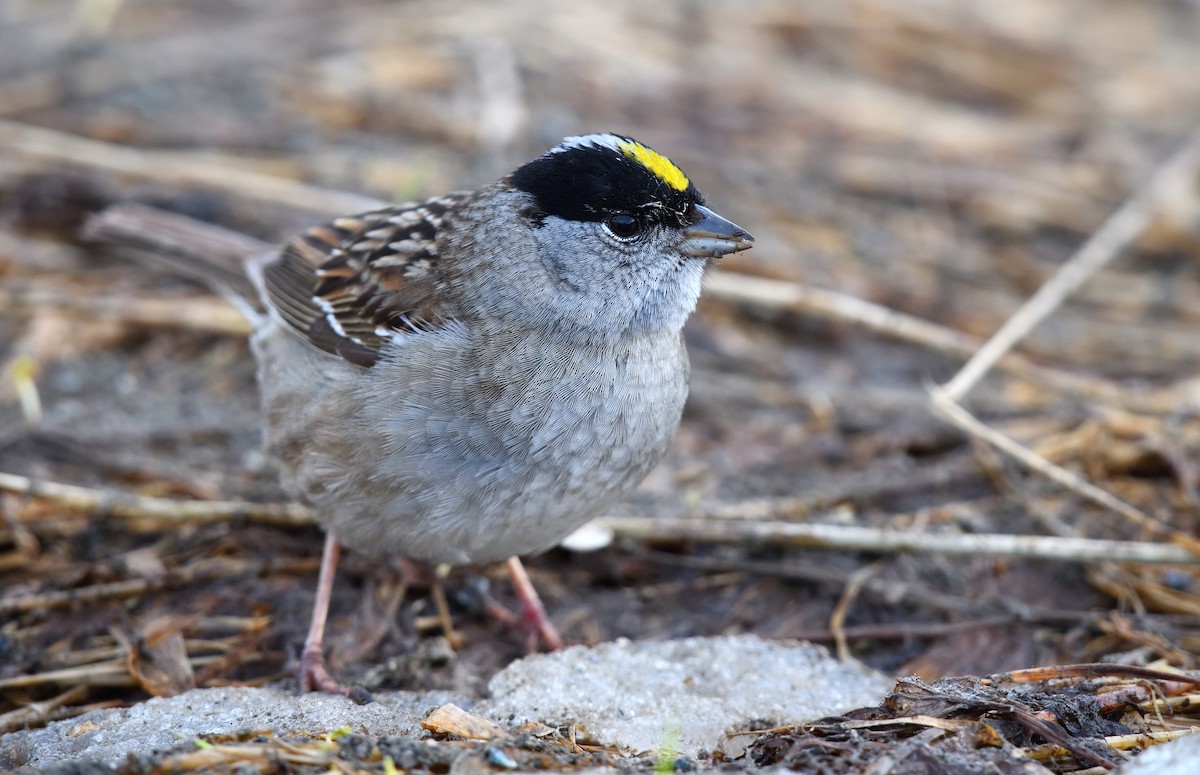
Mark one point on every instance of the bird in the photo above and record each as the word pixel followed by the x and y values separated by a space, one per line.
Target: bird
pixel 470 378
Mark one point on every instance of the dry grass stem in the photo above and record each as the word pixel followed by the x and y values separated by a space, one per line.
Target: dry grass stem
pixel 1099 672
pixel 1117 232
pixel 197 571
pixel 199 313
pixel 736 288
pixel 947 408
pixel 172 511
pixel 137 507
pixel 174 169
pixel 1116 743
pixel 115 673
pixel 837 620
pixel 866 539
pixel 37 713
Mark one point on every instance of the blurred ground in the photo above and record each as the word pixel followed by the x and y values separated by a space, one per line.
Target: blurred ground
pixel 941 158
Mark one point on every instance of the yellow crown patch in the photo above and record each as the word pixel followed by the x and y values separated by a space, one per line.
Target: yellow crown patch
pixel 660 165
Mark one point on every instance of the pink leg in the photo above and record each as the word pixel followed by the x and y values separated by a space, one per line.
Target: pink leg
pixel 313 673
pixel 533 619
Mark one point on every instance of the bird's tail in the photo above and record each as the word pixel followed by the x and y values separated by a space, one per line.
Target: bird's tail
pixel 216 256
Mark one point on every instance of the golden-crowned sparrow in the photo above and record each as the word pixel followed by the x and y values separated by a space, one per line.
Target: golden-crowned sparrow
pixel 471 378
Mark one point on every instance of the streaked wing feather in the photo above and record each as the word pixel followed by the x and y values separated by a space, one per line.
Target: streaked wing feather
pixel 349 285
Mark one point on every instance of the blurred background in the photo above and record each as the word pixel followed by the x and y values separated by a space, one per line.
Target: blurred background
pixel 941 158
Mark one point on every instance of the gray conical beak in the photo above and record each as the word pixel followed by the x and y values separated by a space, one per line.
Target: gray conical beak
pixel 713 236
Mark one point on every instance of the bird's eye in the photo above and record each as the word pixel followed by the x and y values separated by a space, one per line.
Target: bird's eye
pixel 624 226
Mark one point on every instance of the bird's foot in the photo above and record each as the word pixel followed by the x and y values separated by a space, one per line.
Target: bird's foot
pixel 315 677
pixel 532 620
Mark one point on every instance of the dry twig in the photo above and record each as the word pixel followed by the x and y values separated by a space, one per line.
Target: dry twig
pixel 198 313
pixel 953 412
pixel 866 539
pixel 137 507
pixel 1117 232
pixel 830 305
pixel 200 570
pixel 176 169
pixel 837 620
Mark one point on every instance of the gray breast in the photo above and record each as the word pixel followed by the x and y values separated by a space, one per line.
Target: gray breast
pixel 469 448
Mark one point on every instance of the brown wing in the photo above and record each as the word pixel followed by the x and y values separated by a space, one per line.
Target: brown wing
pixel 349 285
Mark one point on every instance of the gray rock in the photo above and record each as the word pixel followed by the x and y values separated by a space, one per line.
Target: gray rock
pixel 1178 757
pixel 678 695
pixel 681 695
pixel 165 722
